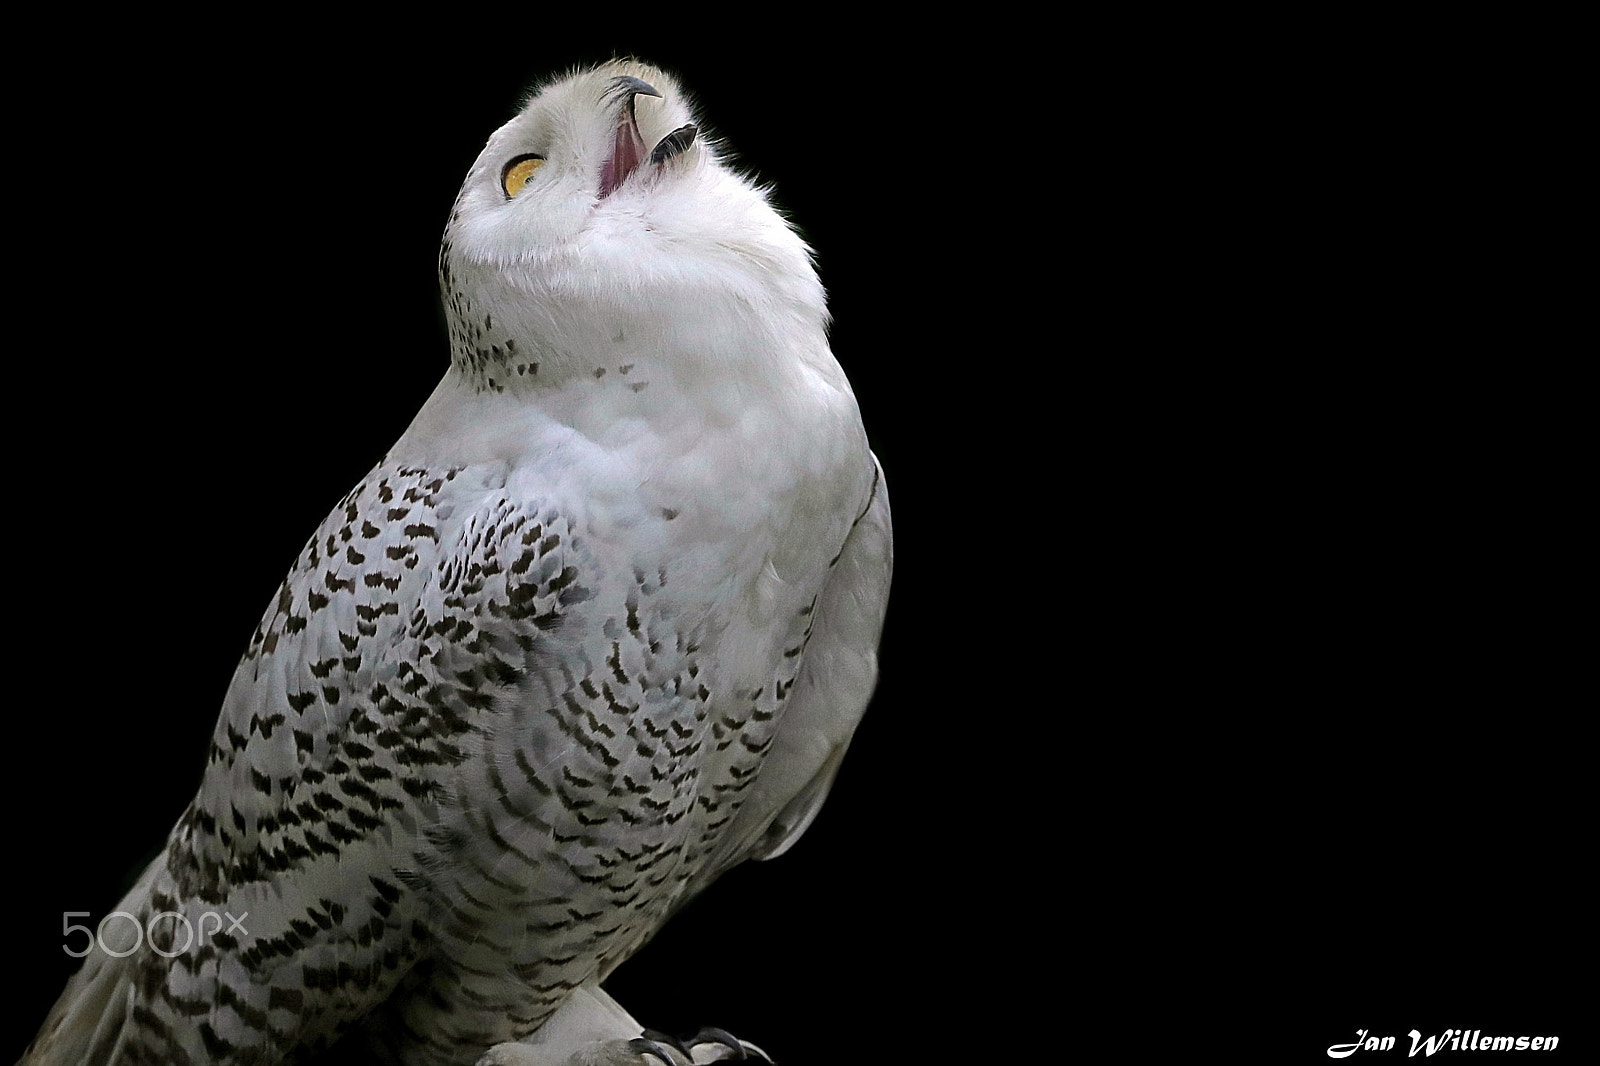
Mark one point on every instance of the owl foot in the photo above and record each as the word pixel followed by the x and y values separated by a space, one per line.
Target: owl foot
pixel 592 1029
pixel 742 1050
pixel 650 1049
pixel 708 1045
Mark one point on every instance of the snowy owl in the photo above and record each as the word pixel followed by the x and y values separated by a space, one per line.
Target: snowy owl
pixel 598 627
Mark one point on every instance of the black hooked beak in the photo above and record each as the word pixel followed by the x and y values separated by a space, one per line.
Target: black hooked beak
pixel 632 87
pixel 629 150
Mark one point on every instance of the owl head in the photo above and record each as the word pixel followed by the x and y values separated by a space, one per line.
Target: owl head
pixel 601 217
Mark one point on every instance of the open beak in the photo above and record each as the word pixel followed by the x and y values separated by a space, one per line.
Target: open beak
pixel 629 149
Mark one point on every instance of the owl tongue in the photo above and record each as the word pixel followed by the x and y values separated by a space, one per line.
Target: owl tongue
pixel 625 156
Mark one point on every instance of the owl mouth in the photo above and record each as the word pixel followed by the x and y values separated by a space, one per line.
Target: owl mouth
pixel 629 150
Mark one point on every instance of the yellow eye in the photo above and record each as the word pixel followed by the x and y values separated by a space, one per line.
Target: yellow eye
pixel 519 172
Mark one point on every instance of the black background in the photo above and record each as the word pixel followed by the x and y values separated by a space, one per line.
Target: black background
pixel 1227 699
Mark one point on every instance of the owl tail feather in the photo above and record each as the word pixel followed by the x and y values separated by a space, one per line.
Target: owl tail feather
pixel 87 1024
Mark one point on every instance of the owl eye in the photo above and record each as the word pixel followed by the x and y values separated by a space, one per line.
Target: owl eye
pixel 519 172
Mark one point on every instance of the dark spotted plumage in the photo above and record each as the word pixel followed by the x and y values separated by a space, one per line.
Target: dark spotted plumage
pixel 373 797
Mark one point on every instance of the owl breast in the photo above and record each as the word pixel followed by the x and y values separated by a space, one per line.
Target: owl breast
pixel 646 579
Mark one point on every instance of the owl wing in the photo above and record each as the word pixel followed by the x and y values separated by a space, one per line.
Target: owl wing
pixel 836 679
pixel 350 749
pixel 283 895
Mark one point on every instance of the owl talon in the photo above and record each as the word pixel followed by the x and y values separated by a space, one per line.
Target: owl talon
pixel 743 1050
pixel 658 1037
pixel 649 1047
pixel 719 1036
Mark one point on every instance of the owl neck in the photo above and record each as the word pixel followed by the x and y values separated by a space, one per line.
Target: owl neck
pixel 641 380
pixel 528 341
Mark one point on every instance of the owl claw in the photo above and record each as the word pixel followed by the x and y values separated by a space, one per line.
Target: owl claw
pixel 743 1050
pixel 720 1036
pixel 649 1047
pixel 658 1037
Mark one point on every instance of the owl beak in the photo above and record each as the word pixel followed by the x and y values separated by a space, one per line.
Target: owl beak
pixel 628 150
pixel 674 144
